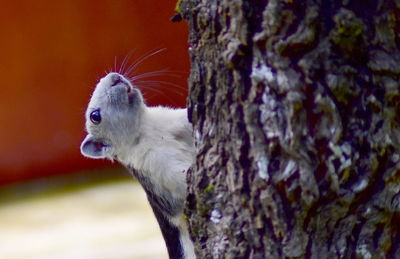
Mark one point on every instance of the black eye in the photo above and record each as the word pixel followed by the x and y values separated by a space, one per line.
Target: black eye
pixel 95 116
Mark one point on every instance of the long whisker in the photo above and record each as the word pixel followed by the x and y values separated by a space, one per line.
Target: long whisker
pixel 140 60
pixel 159 83
pixel 148 87
pixel 124 62
pixel 155 87
pixel 158 92
pixel 161 72
pixel 162 82
pixel 144 80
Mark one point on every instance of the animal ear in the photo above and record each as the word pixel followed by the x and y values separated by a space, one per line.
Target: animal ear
pixel 94 148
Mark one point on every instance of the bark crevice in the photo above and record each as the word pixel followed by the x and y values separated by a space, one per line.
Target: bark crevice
pixel 295 107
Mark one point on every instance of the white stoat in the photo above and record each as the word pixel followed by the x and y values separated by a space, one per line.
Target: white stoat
pixel 154 143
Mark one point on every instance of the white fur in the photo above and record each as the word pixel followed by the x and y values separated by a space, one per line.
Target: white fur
pixel 154 140
pixel 159 152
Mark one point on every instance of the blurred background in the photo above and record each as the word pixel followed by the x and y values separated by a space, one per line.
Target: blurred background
pixel 52 55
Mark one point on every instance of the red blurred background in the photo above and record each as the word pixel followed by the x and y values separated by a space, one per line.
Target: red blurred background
pixel 53 53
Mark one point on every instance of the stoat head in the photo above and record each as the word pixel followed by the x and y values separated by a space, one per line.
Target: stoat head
pixel 112 117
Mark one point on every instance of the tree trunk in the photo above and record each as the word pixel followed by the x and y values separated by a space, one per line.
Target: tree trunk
pixel 296 114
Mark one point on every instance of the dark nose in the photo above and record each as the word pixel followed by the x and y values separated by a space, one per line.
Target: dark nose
pixel 116 79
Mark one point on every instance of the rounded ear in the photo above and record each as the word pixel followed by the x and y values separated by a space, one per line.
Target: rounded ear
pixel 94 148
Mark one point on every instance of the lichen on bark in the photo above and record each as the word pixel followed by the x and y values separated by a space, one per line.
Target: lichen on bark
pixel 295 107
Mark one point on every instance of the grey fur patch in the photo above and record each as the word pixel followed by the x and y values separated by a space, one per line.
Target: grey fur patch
pixel 184 135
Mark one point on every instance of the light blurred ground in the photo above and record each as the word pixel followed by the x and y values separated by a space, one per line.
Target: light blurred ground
pixel 106 220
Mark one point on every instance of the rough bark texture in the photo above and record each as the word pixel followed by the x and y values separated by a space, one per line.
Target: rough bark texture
pixel 296 114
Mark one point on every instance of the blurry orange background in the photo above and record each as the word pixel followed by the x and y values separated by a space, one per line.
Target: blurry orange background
pixel 52 54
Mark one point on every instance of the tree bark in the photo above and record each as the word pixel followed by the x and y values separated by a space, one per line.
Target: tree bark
pixel 296 114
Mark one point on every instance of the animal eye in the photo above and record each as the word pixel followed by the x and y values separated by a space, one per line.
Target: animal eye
pixel 95 116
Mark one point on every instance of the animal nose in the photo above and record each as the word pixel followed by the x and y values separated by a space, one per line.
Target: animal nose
pixel 115 79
